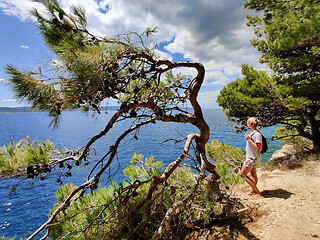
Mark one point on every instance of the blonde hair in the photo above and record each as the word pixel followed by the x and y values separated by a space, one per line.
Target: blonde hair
pixel 254 121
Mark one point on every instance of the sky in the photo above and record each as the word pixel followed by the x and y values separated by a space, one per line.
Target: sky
pixel 212 32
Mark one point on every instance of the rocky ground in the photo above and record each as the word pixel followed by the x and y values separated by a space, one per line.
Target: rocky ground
pixel 290 208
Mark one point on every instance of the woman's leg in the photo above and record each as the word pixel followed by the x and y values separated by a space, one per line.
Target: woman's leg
pixel 252 182
pixel 243 173
pixel 254 176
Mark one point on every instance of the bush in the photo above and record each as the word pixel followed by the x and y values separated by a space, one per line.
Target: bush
pixel 16 156
pixel 121 211
pixel 228 161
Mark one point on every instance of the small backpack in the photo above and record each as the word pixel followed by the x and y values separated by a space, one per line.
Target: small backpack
pixel 264 144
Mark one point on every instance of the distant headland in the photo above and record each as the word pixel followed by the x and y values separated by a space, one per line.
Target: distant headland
pixel 27 109
pixel 14 109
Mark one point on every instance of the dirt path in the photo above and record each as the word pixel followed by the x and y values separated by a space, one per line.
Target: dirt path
pixel 291 207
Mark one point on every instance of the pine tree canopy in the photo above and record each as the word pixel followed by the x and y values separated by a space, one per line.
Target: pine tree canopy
pixel 288 36
pixel 89 70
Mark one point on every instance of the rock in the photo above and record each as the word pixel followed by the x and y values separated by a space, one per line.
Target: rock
pixel 293 158
pixel 286 156
pixel 277 171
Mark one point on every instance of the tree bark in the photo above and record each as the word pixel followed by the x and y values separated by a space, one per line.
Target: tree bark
pixel 315 131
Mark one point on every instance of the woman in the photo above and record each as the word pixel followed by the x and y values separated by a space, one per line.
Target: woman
pixel 253 156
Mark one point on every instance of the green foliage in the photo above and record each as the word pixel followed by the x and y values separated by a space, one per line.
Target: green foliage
pixel 15 156
pixel 150 31
pixel 113 212
pixel 289 30
pixel 109 210
pixel 227 159
pixel 6 238
pixel 40 95
pixel 249 95
pixel 291 135
pixel 91 202
pixel 89 69
pixel 285 134
pixel 288 38
pixel 142 169
pixel 290 43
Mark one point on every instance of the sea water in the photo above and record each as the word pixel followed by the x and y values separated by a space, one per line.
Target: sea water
pixel 26 208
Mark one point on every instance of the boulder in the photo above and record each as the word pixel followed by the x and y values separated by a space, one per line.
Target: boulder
pixel 286 155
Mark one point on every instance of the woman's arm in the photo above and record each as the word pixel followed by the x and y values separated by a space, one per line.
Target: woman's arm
pixel 257 145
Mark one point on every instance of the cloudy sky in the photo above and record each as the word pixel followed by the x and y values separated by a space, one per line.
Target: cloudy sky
pixel 212 32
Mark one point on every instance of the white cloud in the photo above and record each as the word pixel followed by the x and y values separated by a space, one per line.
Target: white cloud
pixel 216 78
pixel 8 100
pixel 164 55
pixel 206 31
pixel 208 99
pixel 19 8
pixel 24 46
pixel 211 32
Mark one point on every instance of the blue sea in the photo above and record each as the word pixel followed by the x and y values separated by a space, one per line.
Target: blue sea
pixel 25 209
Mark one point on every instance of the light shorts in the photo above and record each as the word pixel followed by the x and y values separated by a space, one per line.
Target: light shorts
pixel 251 163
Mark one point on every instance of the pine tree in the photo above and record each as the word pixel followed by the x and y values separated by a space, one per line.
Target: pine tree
pixel 90 70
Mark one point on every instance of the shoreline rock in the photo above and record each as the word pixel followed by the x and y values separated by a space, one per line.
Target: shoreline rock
pixel 287 156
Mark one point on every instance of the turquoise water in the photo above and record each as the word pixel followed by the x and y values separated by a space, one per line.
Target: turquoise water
pixel 22 211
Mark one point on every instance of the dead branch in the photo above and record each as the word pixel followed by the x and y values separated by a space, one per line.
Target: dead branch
pixel 59 209
pixel 172 166
pixel 92 182
pixel 196 119
pixel 178 205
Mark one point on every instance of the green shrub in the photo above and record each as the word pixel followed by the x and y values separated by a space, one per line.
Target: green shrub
pixel 15 156
pixel 228 161
pixel 120 211
pixel 288 135
pixel 108 210
pixel 8 238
